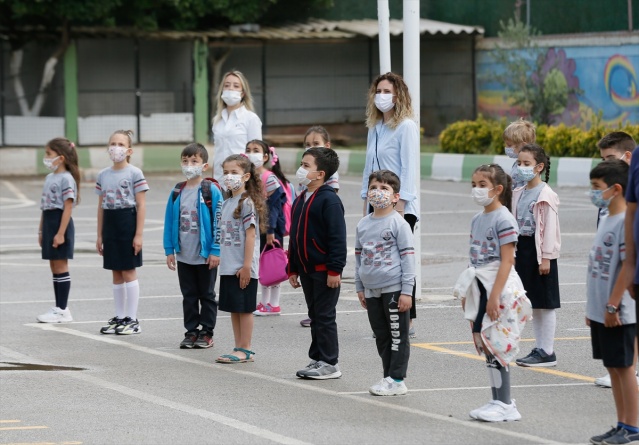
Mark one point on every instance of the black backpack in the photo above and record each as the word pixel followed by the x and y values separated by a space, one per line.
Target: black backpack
pixel 206 191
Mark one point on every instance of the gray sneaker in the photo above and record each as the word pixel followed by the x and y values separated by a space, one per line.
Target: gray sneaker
pixel 622 437
pixel 322 371
pixel 538 358
pixel 597 440
pixel 302 372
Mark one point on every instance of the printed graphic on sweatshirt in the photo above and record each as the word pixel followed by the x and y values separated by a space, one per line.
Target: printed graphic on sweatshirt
pixel 378 253
pixel 51 198
pixel 600 257
pixel 189 221
pixel 231 233
pixel 526 221
pixel 118 198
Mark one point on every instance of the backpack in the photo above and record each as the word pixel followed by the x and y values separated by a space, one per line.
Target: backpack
pixel 288 203
pixel 206 191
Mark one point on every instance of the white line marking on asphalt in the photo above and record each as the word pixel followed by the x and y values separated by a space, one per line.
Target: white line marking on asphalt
pixel 484 388
pixel 295 384
pixel 131 392
pixel 23 200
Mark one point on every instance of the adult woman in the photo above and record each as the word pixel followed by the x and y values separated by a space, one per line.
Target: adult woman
pixel 235 122
pixel 393 144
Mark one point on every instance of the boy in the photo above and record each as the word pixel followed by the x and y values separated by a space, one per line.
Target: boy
pixel 385 278
pixel 610 311
pixel 191 235
pixel 317 256
pixel 516 135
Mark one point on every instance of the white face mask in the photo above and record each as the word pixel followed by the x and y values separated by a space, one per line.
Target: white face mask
pixel 510 152
pixel 117 153
pixel 48 163
pixel 384 102
pixel 480 196
pixel 301 176
pixel 192 171
pixel 231 97
pixel 233 182
pixel 257 159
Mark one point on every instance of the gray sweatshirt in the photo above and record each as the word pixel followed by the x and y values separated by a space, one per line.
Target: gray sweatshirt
pixel 384 253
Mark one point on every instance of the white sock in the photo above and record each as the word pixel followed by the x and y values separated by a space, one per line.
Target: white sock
pixel 119 297
pixel 548 325
pixel 537 326
pixel 275 295
pixel 266 295
pixel 132 298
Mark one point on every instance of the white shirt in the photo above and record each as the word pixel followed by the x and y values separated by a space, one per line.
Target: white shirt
pixel 230 135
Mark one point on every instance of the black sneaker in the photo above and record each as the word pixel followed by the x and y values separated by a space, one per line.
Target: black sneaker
pixel 530 354
pixel 110 326
pixel 598 440
pixel 128 326
pixel 538 358
pixel 204 340
pixel 189 340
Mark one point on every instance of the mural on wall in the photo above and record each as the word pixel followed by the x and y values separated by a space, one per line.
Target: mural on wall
pixel 606 78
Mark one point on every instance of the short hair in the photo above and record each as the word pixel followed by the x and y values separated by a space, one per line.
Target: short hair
pixel 611 173
pixel 195 149
pixel 520 131
pixel 326 160
pixel 620 141
pixel 386 177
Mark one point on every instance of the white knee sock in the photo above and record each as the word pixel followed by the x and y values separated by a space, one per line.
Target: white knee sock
pixel 548 326
pixel 119 297
pixel 275 295
pixel 132 298
pixel 537 325
pixel 266 295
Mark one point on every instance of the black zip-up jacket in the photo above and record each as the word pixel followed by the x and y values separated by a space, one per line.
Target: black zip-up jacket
pixel 318 233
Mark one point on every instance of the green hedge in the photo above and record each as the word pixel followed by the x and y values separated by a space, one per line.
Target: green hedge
pixel 484 136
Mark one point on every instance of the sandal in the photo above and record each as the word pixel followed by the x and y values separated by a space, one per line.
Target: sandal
pixel 232 359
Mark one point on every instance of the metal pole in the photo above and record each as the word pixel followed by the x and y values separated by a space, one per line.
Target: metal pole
pixel 630 25
pixel 138 93
pixel 383 16
pixel 412 77
pixel 264 120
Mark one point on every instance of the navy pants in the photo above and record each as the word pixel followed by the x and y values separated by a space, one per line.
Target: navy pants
pixel 199 305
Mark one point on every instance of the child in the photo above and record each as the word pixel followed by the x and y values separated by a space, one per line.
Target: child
pixel 492 294
pixel 191 234
pixel 121 212
pixel 56 234
pixel 317 136
pixel 317 256
pixel 535 208
pixel 610 311
pixel 516 135
pixel 243 214
pixel 384 279
pixel 273 192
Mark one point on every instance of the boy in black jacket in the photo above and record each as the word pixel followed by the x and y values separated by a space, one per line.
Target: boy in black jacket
pixel 317 255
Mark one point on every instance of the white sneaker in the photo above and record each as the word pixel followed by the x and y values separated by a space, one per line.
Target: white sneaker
pixel 499 412
pixel 388 387
pixel 604 381
pixel 56 315
pixel 474 413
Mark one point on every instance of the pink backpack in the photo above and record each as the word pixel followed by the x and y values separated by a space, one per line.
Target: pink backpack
pixel 288 204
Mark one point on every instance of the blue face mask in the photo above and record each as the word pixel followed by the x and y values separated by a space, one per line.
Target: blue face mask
pixel 525 174
pixel 510 152
pixel 596 197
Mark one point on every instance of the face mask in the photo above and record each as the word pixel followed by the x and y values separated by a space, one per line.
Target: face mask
pixel 384 102
pixel 301 176
pixel 48 163
pixel 192 171
pixel 510 152
pixel 380 199
pixel 596 197
pixel 480 196
pixel 117 153
pixel 233 182
pixel 257 159
pixel 525 174
pixel 231 97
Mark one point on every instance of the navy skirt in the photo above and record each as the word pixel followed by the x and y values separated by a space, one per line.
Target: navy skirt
pixel 542 290
pixel 118 230
pixel 50 225
pixel 235 299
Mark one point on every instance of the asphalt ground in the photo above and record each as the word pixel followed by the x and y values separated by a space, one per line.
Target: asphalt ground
pixel 69 384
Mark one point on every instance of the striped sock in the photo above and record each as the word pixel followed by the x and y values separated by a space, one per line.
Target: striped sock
pixel 61 287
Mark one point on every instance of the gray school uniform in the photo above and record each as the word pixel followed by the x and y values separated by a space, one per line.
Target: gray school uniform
pixel 189 230
pixel 488 232
pixel 604 264
pixel 58 187
pixel 118 187
pixel 233 237
pixel 384 254
pixel 525 217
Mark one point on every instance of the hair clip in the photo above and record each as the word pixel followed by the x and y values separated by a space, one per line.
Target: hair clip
pixel 71 144
pixel 273 155
pixel 244 154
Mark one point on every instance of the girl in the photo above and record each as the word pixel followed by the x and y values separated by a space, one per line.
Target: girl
pixel 259 154
pixel 243 214
pixel 56 234
pixel 235 122
pixel 492 294
pixel 535 207
pixel 121 212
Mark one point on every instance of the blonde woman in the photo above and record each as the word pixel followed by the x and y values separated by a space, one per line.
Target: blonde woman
pixel 393 144
pixel 235 121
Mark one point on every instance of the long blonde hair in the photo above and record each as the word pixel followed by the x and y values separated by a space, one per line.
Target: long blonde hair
pixel 403 108
pixel 247 99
